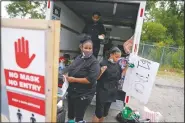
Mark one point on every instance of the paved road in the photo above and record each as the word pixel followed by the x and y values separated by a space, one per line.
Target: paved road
pixel 167 97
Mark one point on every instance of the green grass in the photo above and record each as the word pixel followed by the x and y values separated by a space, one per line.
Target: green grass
pixel 170 72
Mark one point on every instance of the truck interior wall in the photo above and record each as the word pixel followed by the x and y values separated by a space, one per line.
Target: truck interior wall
pixel 69 40
pixel 123 33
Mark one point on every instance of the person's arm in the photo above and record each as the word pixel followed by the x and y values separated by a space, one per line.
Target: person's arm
pixel 127 45
pixel 124 70
pixel 93 74
pixel 70 67
pixel 78 80
pixel 120 72
pixel 103 68
pixel 102 30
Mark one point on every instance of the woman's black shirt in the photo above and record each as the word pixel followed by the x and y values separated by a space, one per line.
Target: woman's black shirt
pixel 107 85
pixel 83 68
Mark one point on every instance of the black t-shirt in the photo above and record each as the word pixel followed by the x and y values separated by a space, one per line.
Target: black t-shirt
pixel 32 119
pixel 19 115
pixel 107 85
pixel 83 68
pixel 94 29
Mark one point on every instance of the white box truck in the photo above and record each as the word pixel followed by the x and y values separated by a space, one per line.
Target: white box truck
pixel 121 18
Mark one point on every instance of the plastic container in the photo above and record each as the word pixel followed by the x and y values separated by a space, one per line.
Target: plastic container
pixel 61 67
pixel 126 113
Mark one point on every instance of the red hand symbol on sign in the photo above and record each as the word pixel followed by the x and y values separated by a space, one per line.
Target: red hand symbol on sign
pixel 22 53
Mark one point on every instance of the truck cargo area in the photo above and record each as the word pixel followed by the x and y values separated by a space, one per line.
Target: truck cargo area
pixel 119 19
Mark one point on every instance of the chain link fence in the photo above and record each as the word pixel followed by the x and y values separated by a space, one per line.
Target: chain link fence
pixel 169 56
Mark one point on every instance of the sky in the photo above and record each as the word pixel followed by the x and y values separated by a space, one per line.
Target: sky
pixel 4 14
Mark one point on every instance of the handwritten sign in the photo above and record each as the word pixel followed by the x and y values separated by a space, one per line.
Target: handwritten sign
pixel 140 79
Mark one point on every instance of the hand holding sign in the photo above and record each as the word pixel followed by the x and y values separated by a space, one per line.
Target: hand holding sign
pixel 22 57
pixel 127 45
pixel 103 68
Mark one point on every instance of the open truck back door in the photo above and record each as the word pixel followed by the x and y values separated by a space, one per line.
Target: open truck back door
pixel 72 21
pixel 138 28
pixel 138 25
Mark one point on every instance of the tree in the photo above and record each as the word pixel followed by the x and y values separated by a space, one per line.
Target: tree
pixel 27 9
pixel 153 32
pixel 170 14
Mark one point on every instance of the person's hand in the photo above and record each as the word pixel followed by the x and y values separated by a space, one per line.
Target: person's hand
pixel 70 79
pixel 103 68
pixel 128 45
pixel 102 36
pixel 124 70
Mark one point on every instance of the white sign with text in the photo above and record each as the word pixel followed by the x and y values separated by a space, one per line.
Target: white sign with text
pixel 139 80
pixel 23 55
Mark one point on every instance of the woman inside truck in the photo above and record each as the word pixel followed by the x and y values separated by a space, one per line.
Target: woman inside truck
pixel 107 85
pixel 82 76
pixel 95 29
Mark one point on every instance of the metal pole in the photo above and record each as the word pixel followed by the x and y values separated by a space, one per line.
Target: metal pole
pixel 162 56
pixel 143 50
pixel 180 56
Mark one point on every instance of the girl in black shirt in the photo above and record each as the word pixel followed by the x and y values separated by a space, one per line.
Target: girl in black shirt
pixel 82 77
pixel 107 85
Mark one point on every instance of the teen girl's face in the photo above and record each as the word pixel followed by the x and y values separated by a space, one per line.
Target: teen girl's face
pixel 115 56
pixel 87 49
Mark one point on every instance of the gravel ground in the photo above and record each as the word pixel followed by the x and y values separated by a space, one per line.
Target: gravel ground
pixel 167 97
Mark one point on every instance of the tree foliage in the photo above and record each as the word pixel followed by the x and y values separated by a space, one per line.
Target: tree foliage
pixel 26 8
pixel 165 18
pixel 153 31
pixel 164 27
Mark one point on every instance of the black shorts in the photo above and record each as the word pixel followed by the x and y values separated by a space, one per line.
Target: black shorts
pixel 121 95
pixel 77 107
pixel 102 108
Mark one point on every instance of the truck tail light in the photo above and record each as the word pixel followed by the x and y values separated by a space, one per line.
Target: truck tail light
pixel 141 12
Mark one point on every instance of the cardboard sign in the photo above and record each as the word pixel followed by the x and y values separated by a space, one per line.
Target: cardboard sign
pixel 29 67
pixel 139 80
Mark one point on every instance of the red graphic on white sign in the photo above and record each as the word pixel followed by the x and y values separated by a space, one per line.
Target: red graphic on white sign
pixel 26 81
pixel 24 73
pixel 26 102
pixel 22 56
